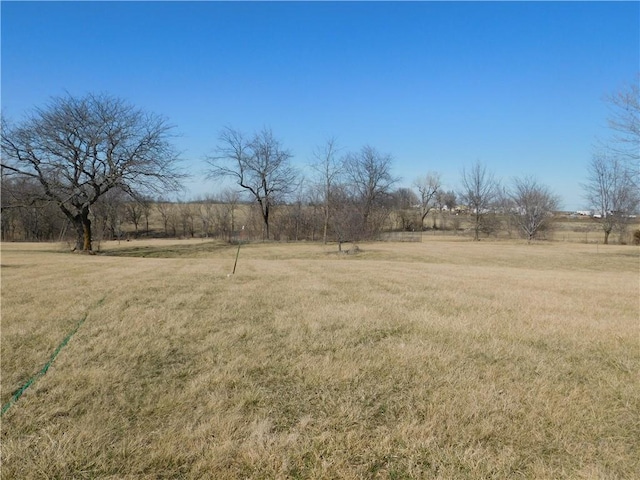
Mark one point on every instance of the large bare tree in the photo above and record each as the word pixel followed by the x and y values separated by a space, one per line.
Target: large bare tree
pixel 533 206
pixel 479 190
pixel 611 191
pixel 79 148
pixel 260 165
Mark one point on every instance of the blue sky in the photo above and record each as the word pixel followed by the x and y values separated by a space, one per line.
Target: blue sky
pixel 518 86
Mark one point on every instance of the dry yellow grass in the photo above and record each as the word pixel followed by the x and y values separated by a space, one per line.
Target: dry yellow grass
pixel 445 359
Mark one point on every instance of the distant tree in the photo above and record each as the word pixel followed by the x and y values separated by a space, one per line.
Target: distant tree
pixel 533 206
pixel 230 201
pixel 428 188
pixel 80 148
pixel 479 190
pixel 611 192
pixel 145 202
pixel 316 215
pixel 404 198
pixel 368 175
pixel 164 208
pixel 295 217
pixel 445 200
pixel 260 165
pixel 205 210
pixel 25 214
pixel 110 213
pixel 134 213
pixel 506 206
pixel 404 202
pixel 187 218
pixel 346 219
pixel 624 121
pixel 328 170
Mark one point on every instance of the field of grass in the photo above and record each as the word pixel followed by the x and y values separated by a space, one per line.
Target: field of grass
pixel 446 359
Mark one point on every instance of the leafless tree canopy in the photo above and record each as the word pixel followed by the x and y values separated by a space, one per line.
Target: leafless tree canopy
pixel 624 120
pixel 479 191
pixel 611 191
pixel 428 188
pixel 533 206
pixel 260 165
pixel 328 170
pixel 368 174
pixel 78 149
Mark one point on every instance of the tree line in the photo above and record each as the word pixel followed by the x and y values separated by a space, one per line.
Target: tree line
pixel 81 164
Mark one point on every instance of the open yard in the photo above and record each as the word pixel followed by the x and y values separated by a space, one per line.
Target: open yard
pixel 445 359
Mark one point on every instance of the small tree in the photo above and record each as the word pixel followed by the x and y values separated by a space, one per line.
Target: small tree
pixel 80 148
pixel 328 171
pixel 428 189
pixel 134 213
pixel 164 208
pixel 368 175
pixel 346 217
pixel 611 192
pixel 260 165
pixel 445 201
pixel 110 213
pixel 404 202
pixel 479 190
pixel 533 206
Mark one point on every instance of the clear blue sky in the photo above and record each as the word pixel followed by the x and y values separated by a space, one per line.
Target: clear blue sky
pixel 516 85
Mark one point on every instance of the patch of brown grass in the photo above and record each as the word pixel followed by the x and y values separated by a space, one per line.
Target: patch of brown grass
pixel 445 359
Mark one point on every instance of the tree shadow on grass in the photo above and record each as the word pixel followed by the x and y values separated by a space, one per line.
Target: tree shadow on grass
pixel 168 251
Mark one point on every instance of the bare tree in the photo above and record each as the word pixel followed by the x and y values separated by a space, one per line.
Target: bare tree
pixel 145 202
pixel 329 170
pixel 187 218
pixel 25 215
pixel 479 190
pixel 611 192
pixel 261 166
pixel 134 213
pixel 533 206
pixel 368 174
pixel 80 148
pixel 404 202
pixel 109 212
pixel 164 208
pixel 445 200
pixel 231 200
pixel 205 209
pixel 346 217
pixel 428 187
pixel 624 121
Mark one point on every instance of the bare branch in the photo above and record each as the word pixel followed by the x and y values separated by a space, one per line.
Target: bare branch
pixel 80 148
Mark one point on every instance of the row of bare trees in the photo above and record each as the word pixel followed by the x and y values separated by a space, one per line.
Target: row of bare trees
pixel 96 162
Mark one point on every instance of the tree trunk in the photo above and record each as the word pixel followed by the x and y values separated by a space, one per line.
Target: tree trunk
pixel 265 216
pixel 77 224
pixel 86 230
pixel 326 225
pixel 606 237
pixel 82 224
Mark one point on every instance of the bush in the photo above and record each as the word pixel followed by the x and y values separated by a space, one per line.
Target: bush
pixel 636 237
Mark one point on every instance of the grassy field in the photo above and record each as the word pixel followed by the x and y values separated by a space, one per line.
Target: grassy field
pixel 446 359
